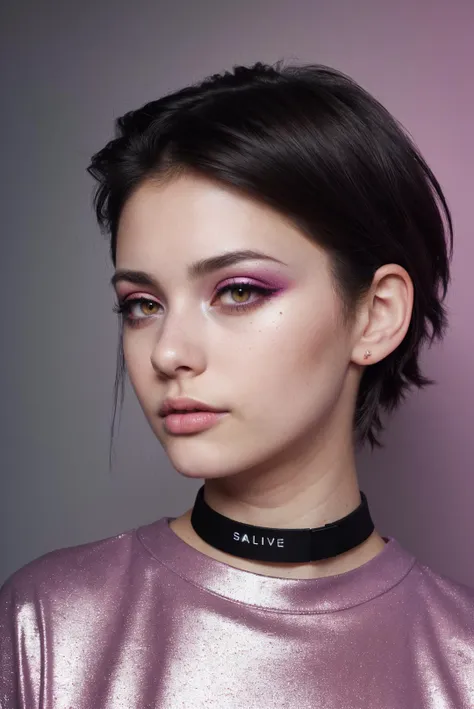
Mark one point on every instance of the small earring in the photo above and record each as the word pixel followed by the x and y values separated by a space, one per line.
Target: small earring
pixel 367 354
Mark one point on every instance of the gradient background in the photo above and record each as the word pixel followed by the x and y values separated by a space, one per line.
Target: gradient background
pixel 69 68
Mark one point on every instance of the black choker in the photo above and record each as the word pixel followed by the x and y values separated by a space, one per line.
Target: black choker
pixel 293 546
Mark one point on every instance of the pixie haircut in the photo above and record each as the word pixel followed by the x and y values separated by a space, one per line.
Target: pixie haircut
pixel 312 144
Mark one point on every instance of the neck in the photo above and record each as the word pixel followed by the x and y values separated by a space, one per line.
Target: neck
pixel 289 505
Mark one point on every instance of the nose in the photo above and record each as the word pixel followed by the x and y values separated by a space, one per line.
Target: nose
pixel 180 345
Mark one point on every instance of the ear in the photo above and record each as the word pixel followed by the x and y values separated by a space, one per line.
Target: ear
pixel 384 315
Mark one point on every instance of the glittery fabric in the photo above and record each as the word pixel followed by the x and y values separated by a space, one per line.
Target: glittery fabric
pixel 142 620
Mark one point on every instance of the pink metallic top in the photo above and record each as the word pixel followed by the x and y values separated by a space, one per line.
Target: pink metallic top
pixel 144 621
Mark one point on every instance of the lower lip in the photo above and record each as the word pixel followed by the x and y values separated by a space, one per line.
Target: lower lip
pixel 193 422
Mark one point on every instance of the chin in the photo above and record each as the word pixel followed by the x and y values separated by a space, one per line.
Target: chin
pixel 196 464
pixel 197 470
pixel 198 474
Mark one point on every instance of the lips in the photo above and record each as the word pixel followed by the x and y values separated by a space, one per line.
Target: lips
pixel 191 422
pixel 185 405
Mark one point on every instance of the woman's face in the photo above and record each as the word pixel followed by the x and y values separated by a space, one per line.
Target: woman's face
pixel 274 355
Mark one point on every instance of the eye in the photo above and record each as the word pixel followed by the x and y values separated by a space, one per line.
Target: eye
pixel 244 291
pixel 124 309
pixel 241 303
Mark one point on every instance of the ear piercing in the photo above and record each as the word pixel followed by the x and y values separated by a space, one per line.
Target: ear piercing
pixel 367 354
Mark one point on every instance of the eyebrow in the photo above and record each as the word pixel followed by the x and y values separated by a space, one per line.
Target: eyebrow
pixel 197 269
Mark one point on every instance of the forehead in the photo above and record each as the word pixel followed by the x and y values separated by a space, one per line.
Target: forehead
pixel 190 218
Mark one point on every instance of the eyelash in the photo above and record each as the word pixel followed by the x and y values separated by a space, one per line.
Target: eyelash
pixel 124 307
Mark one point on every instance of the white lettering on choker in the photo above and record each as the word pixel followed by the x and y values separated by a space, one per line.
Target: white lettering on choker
pixel 265 541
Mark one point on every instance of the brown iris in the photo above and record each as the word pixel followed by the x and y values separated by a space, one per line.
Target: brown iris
pixel 243 291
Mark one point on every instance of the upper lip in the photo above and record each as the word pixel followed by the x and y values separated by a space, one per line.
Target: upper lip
pixel 183 403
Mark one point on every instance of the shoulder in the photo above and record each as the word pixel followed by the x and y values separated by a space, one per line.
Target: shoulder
pixel 64 571
pixel 451 601
pixel 442 584
pixel 49 605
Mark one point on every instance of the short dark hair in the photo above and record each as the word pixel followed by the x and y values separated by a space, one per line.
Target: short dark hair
pixel 308 141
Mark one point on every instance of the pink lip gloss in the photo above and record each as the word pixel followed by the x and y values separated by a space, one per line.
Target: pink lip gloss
pixel 192 422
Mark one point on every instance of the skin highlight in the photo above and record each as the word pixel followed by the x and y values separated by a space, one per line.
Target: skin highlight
pixel 286 367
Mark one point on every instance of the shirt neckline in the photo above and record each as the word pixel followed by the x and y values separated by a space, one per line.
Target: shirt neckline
pixel 320 595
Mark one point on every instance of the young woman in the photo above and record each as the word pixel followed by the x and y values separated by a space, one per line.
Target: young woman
pixel 281 254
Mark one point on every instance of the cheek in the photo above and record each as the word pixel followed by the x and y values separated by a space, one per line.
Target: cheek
pixel 299 364
pixel 304 344
pixel 138 364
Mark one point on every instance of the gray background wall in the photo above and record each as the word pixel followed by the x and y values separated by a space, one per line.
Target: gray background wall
pixel 68 69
